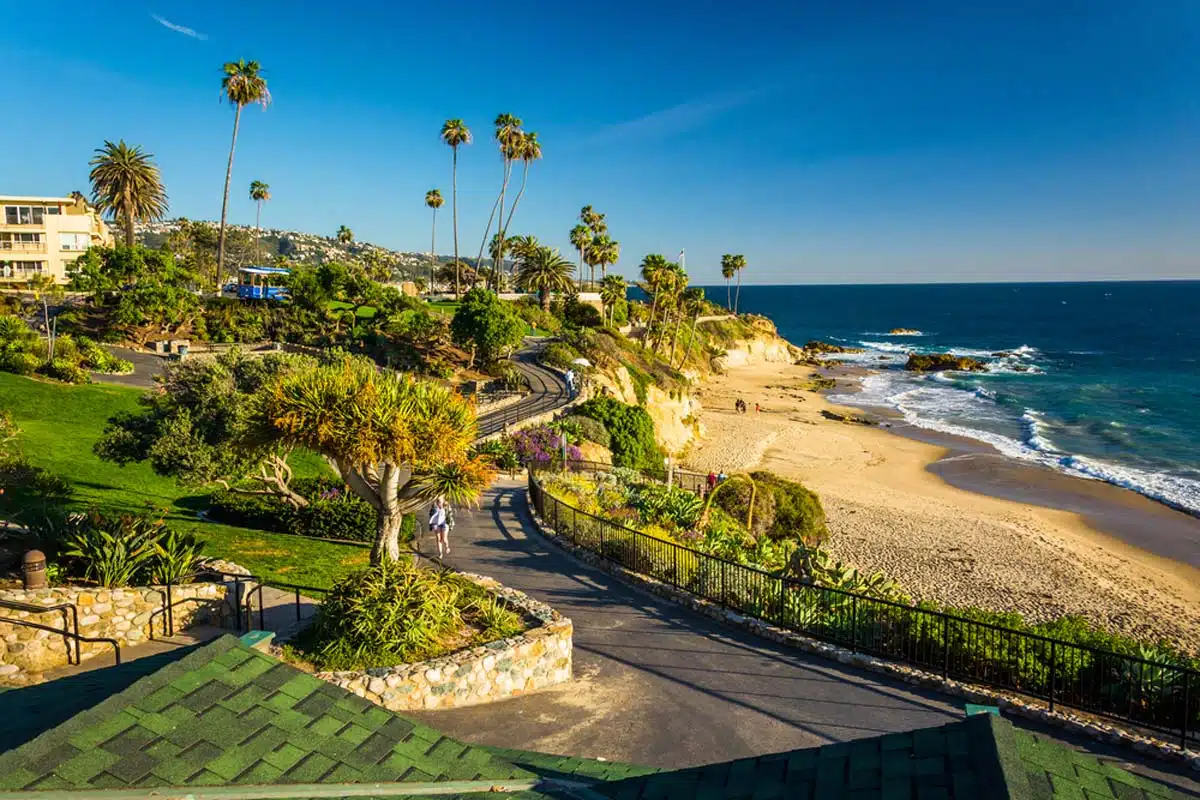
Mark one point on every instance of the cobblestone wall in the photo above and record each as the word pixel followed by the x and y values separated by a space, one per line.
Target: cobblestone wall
pixel 535 659
pixel 127 615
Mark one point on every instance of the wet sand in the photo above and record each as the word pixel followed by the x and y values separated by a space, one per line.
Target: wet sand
pixel 954 521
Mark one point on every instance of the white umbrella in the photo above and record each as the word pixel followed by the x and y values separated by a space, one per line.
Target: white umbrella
pixel 583 362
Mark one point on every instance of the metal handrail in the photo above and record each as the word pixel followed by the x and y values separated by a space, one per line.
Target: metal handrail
pixel 925 620
pixel 238 579
pixel 66 634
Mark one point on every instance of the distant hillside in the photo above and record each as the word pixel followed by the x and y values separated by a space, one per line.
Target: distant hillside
pixel 303 248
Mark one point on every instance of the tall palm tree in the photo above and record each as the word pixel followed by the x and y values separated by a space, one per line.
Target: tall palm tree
pixel 545 271
pixel 728 270
pixel 612 292
pixel 497 255
pixel 529 150
pixel 433 199
pixel 610 253
pixel 242 85
pixel 581 237
pixel 739 264
pixel 509 139
pixel 677 281
pixel 520 248
pixel 455 133
pixel 127 186
pixel 693 304
pixel 594 220
pixel 345 235
pixel 259 193
pixel 654 267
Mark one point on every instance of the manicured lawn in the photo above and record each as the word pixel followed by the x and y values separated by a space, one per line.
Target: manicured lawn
pixel 60 425
pixel 363 312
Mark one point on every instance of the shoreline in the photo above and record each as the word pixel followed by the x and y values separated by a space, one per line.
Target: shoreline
pixel 952 519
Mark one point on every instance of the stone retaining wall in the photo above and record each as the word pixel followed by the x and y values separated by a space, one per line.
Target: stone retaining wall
pixel 130 615
pixel 535 659
pixel 1013 704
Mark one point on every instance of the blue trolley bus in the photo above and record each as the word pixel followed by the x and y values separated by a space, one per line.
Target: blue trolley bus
pixel 262 283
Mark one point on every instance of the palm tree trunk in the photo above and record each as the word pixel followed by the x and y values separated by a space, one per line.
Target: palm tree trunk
pixel 488 229
pixel 545 298
pixel 737 297
pixel 516 201
pixel 675 336
pixel 728 296
pixel 237 119
pixel 258 233
pixel 581 261
pixel 454 201
pixel 432 250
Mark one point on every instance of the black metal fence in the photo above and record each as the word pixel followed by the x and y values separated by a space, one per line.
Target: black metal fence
pixel 1151 695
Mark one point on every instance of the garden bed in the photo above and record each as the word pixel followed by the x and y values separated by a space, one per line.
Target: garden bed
pixel 537 656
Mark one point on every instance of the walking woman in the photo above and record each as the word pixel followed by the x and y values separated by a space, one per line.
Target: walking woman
pixel 440 527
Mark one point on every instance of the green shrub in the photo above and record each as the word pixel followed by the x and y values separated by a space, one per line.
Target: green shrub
pixel 395 613
pixel 486 325
pixel 559 354
pixel 112 551
pixel 175 556
pixel 591 430
pixel 331 513
pixel 501 452
pixel 61 369
pixel 630 429
pixel 507 376
pixel 19 363
pixel 583 315
pixel 798 511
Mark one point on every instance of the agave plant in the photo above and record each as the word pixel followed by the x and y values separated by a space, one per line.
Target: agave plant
pixel 112 551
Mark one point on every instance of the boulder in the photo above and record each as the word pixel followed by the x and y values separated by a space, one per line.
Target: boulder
pixel 939 362
pixel 816 346
pixel 904 332
pixel 836 417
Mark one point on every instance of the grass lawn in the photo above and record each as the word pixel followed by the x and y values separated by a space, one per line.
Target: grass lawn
pixel 60 423
pixel 362 312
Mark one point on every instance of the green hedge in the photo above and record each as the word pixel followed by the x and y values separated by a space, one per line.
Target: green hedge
pixel 332 513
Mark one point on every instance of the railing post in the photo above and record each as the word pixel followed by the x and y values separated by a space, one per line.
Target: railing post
pixel 945 648
pixel 169 617
pixel 297 605
pixel 723 589
pixel 853 623
pixel 1053 672
pixel 1187 709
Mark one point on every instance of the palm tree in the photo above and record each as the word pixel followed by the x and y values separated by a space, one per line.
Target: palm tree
pixel 594 220
pixel 676 285
pixel 545 271
pixel 241 86
pixel 609 253
pixel 581 237
pixel 127 186
pixel 530 150
pixel 654 267
pixel 509 139
pixel 612 292
pixel 455 133
pixel 497 256
pixel 433 199
pixel 345 235
pixel 520 248
pixel 693 304
pixel 259 193
pixel 728 270
pixel 739 264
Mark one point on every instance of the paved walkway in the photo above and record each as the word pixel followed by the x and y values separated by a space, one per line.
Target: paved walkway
pixel 548 391
pixel 656 684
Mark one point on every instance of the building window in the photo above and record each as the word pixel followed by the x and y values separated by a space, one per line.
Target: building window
pixel 52 210
pixel 31 242
pixel 73 241
pixel 23 215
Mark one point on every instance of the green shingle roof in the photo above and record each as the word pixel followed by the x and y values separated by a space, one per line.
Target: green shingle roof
pixel 225 714
pixel 222 714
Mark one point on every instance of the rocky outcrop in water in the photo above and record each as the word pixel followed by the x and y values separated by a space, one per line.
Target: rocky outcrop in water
pixel 943 362
pixel 817 348
pixel 836 417
pixel 904 332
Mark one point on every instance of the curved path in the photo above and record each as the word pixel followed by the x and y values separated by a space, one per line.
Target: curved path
pixel 548 391
pixel 657 684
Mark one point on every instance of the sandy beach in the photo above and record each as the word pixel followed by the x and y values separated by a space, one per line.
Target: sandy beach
pixel 1037 542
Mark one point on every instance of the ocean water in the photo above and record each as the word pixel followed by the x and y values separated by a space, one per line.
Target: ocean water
pixel 1098 380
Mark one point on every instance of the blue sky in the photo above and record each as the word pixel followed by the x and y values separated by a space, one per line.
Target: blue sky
pixel 833 142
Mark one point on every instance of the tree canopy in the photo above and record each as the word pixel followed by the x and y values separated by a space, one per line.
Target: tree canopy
pixel 127 186
pixel 486 324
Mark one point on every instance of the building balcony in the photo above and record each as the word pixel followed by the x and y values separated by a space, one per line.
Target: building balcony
pixel 22 247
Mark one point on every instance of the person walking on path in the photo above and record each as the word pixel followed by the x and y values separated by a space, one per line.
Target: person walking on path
pixel 439 526
pixel 711 482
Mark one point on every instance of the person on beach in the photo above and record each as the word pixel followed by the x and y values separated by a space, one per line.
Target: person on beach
pixel 437 524
pixel 757 408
